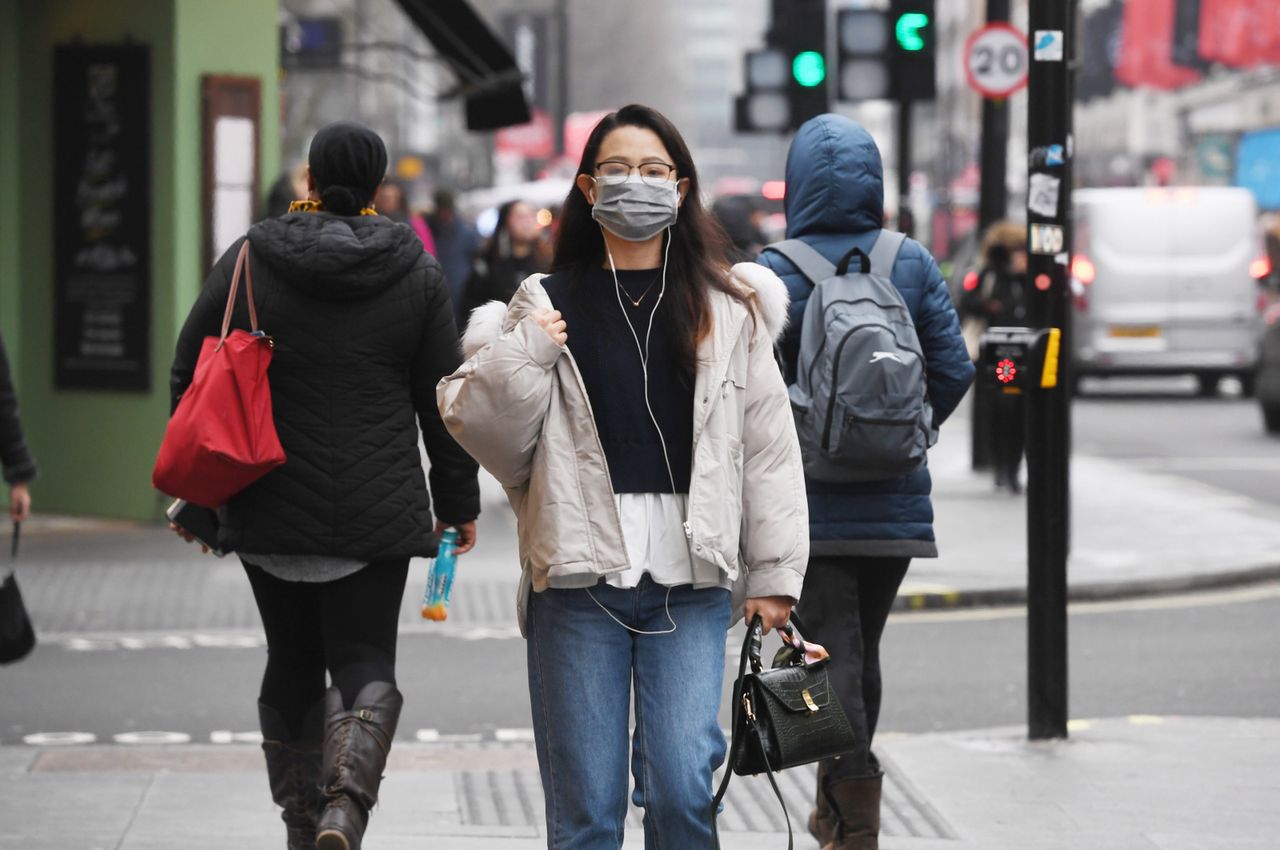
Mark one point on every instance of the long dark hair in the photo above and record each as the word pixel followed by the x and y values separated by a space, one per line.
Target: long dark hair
pixel 698 259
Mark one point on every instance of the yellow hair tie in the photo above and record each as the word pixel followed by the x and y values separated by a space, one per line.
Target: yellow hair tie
pixel 310 205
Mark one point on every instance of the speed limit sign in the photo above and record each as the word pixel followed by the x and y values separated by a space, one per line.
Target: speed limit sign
pixel 995 60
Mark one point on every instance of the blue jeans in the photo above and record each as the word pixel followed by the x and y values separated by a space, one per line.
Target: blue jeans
pixel 582 665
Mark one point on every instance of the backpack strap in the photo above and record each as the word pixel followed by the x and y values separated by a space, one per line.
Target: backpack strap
pixel 806 258
pixel 885 252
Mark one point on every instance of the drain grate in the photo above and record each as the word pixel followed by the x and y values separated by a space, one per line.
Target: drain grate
pixel 514 798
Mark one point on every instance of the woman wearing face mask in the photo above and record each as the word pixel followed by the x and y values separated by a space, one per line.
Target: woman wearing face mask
pixel 630 404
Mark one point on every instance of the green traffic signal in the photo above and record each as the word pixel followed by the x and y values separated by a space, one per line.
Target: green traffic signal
pixel 809 68
pixel 908 31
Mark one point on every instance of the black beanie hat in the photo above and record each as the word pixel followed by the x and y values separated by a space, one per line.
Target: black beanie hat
pixel 348 161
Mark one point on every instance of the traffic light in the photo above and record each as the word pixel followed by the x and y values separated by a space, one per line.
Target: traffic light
pixel 911 50
pixel 800 30
pixel 862 44
pixel 786 83
pixel 765 106
pixel 1017 359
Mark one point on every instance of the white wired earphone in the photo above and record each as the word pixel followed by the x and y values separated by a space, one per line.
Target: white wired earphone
pixel 643 351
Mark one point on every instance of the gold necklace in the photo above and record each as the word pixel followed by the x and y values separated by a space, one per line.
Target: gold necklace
pixel 635 302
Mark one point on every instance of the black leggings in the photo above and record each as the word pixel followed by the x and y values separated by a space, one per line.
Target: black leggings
pixel 845 604
pixel 347 627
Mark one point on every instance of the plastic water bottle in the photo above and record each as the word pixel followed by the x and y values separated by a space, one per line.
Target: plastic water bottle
pixel 435 597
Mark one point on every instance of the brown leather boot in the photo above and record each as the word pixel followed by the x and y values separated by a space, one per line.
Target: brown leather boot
pixel 857 805
pixel 356 745
pixel 293 770
pixel 822 820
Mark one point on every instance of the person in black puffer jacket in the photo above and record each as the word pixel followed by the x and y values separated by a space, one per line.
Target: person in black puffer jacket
pixel 19 466
pixel 363 330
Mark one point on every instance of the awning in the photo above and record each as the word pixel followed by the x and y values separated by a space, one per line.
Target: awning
pixel 488 78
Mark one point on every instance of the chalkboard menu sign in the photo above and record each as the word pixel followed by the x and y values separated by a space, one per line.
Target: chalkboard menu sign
pixel 102 216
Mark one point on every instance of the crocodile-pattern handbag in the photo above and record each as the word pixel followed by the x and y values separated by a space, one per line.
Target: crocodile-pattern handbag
pixel 785 716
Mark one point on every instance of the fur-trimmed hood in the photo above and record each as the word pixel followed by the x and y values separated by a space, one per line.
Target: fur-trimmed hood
pixel 488 321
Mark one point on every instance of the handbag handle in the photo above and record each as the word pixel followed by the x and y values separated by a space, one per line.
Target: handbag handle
pixel 242 265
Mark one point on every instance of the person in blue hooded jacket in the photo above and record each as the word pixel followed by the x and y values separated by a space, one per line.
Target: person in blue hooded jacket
pixel 863 535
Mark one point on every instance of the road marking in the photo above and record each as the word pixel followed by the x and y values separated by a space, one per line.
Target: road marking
pixel 135 641
pixel 513 735
pixel 226 736
pixel 58 739
pixel 1203 464
pixel 152 738
pixel 427 736
pixel 1145 720
pixel 1206 599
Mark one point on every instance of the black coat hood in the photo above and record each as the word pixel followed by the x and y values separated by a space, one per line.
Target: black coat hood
pixel 337 258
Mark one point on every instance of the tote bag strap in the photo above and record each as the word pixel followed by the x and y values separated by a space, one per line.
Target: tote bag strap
pixel 242 266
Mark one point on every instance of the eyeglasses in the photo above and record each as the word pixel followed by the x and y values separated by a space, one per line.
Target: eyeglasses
pixel 653 172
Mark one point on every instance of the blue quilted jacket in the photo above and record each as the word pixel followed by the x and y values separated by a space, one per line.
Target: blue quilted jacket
pixel 834 202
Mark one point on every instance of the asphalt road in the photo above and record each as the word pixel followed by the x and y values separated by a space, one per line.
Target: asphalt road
pixel 1159 424
pixel 1198 655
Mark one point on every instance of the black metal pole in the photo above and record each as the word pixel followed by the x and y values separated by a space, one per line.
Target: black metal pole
pixel 562 72
pixel 906 223
pixel 994 197
pixel 993 204
pixel 1051 43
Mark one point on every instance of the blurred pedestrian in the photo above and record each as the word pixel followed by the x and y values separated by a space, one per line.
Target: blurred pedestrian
pixel 457 244
pixel 393 201
pixel 20 467
pixel 514 251
pixel 1000 300
pixel 362 333
pixel 737 215
pixel 630 404
pixel 863 535
pixel 289 186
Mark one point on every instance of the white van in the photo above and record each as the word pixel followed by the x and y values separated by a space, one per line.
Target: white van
pixel 1164 283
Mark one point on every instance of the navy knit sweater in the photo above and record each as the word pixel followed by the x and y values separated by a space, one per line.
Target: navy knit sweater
pixel 600 339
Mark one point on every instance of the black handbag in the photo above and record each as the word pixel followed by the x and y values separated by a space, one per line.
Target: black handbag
pixel 17 637
pixel 785 716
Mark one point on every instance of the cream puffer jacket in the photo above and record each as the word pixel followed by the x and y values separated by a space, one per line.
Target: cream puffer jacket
pixel 519 407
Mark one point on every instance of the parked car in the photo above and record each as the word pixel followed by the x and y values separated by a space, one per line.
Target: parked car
pixel 1165 282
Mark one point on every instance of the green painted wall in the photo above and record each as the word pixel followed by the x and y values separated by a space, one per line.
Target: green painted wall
pixel 9 242
pixel 97 448
pixel 238 37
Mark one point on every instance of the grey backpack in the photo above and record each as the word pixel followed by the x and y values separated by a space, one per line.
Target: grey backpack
pixel 860 398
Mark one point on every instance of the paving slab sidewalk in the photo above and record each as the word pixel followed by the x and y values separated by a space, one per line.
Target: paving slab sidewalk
pixel 1140 783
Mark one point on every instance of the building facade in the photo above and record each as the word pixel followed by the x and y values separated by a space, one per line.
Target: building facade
pixel 106 155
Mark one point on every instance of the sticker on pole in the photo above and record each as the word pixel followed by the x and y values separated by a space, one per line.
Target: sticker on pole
pixel 995 60
pixel 1050 46
pixel 1047 239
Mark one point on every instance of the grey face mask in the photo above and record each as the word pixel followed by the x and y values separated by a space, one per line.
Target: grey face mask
pixel 635 210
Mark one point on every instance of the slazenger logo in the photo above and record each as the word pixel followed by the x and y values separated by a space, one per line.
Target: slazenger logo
pixel 877 356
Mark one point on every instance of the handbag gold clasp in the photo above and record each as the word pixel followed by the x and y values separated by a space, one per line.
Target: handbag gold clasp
pixel 746 706
pixel 808 700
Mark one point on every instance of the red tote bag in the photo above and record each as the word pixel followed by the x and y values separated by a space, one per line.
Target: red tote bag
pixel 222 437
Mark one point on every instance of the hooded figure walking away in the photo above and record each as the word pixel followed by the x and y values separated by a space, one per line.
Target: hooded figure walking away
pixel 363 330
pixel 863 535
pixel 631 405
